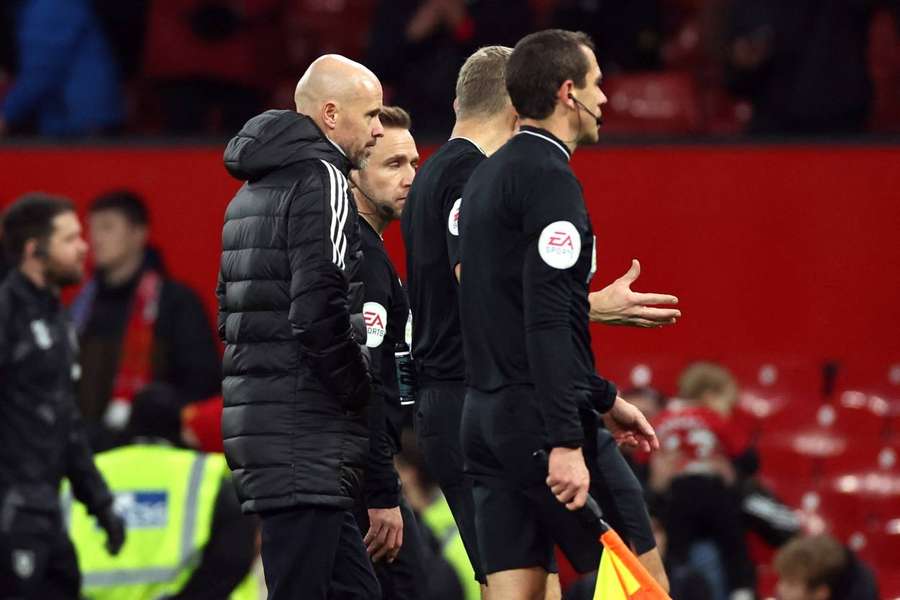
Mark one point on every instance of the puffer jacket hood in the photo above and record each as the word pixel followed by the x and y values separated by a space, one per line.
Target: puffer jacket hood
pixel 276 139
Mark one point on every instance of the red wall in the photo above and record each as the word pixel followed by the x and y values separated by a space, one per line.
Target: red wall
pixel 784 252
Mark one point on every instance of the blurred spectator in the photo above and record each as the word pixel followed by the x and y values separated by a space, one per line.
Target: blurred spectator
pixel 417 46
pixel 802 63
pixel 819 568
pixel 67 80
pixel 713 386
pixel 449 573
pixel 182 510
pixel 135 324
pixel 628 33
pixel 209 61
pixel 694 476
pixel 125 24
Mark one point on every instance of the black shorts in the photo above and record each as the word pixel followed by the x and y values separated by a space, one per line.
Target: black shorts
pixel 438 417
pixel 518 520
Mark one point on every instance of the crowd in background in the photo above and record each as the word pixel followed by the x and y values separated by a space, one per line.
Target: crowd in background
pixel 76 68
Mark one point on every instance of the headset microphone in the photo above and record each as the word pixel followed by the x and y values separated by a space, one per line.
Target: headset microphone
pixel 586 109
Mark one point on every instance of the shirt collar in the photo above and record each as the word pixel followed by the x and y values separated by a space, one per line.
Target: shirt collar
pixel 471 141
pixel 547 136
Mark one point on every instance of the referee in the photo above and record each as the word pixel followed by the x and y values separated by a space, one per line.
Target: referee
pixel 380 188
pixel 485 121
pixel 529 253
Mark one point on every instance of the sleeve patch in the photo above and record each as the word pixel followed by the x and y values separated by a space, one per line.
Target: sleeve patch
pixel 560 244
pixel 453 219
pixel 376 323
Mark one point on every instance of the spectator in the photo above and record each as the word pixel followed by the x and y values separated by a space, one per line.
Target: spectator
pixel 711 385
pixel 207 61
pixel 166 492
pixel 694 477
pixel 628 32
pixel 802 64
pixel 67 79
pixel 136 325
pixel 819 568
pixel 417 47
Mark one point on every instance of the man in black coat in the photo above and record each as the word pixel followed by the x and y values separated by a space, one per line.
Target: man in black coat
pixel 42 438
pixel 296 383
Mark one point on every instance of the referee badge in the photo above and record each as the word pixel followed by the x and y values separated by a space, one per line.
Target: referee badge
pixel 376 323
pixel 560 244
pixel 453 219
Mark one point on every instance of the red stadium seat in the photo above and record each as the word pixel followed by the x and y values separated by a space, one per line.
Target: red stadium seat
pixel 652 103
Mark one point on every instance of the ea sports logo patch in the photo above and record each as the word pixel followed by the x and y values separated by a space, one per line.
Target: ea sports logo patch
pixel 453 219
pixel 376 323
pixel 560 244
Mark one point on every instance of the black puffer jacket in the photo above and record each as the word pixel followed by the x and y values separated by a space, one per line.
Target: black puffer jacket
pixel 295 379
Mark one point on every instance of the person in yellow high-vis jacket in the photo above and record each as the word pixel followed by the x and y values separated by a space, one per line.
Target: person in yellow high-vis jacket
pixel 189 540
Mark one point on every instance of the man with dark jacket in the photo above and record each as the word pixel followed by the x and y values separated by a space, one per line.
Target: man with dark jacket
pixel 296 383
pixel 41 434
pixel 136 325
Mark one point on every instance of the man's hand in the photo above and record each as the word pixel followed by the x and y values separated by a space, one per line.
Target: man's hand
pixel 629 426
pixel 385 535
pixel 568 477
pixel 616 304
pixel 114 526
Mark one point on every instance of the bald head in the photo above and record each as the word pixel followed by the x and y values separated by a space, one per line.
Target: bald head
pixel 344 99
pixel 333 77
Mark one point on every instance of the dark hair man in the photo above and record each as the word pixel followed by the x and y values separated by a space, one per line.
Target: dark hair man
pixel 43 438
pixel 380 190
pixel 528 252
pixel 136 325
pixel 290 313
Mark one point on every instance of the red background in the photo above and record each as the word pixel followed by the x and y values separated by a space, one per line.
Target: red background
pixel 789 254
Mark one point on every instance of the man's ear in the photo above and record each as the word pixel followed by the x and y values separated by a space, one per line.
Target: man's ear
pixel 34 249
pixel 456 106
pixel 330 114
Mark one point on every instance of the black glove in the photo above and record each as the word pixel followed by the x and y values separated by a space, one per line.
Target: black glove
pixel 114 526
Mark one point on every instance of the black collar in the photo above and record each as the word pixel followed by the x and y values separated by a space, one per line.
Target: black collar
pixel 31 293
pixel 548 137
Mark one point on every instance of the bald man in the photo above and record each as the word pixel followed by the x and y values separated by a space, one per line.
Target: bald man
pixel 296 381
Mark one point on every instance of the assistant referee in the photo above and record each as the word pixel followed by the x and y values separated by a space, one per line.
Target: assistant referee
pixel 529 253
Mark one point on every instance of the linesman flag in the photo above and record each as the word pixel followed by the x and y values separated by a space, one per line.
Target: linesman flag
pixel 621 576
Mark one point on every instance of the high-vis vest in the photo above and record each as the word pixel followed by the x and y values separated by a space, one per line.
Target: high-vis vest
pixel 440 521
pixel 167 497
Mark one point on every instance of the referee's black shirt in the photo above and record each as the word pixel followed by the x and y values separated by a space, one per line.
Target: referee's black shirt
pixel 527 256
pixel 431 235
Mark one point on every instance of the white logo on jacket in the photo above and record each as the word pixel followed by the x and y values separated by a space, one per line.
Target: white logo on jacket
pixel 376 323
pixel 41 334
pixel 453 219
pixel 560 244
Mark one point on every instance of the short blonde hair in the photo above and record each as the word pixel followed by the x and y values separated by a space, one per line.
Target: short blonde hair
pixel 702 377
pixel 481 84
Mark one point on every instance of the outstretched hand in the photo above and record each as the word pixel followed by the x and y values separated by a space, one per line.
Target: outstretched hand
pixel 617 304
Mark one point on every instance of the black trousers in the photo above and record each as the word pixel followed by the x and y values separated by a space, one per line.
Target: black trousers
pixel 38 564
pixel 316 553
pixel 402 579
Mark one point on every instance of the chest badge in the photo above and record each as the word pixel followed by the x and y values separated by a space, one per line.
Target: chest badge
pixel 41 334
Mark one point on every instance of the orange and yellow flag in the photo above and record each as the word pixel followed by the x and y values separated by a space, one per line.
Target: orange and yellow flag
pixel 621 576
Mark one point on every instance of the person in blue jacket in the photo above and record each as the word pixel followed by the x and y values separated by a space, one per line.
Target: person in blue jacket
pixel 68 81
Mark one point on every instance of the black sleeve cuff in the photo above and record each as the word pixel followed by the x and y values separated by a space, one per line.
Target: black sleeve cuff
pixel 383 493
pixel 603 394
